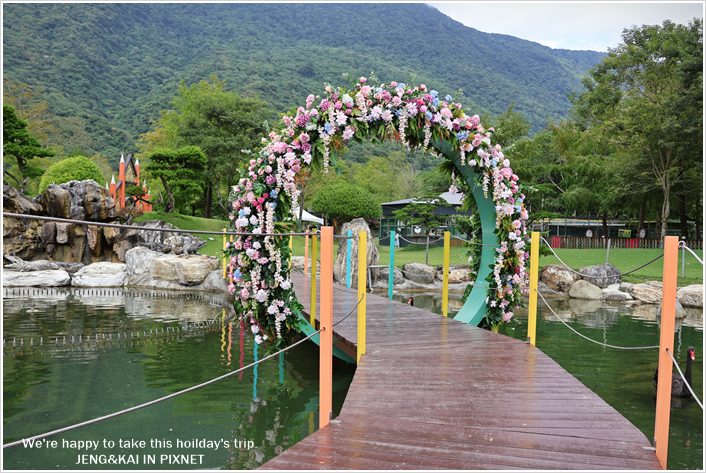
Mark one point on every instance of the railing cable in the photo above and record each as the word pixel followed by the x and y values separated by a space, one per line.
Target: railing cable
pixel 683 246
pixel 682 377
pixel 131 409
pixel 584 336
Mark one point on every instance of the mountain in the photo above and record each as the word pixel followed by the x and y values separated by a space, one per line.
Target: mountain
pixel 106 70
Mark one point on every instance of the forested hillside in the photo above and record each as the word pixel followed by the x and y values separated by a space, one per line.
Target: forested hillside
pixel 106 70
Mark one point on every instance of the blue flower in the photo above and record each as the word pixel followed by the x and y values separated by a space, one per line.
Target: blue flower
pixel 429 115
pixel 400 85
pixel 434 93
pixel 449 98
pixel 273 193
pixel 518 209
pixel 327 127
pixel 435 102
pixel 237 274
pixel 462 135
pixel 241 213
pixel 520 200
pixel 493 162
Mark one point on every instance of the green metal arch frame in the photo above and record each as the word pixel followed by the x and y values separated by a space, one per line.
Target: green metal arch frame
pixel 474 308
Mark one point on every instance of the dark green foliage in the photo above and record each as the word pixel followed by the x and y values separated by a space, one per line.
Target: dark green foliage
pixel 78 168
pixel 180 172
pixel 343 202
pixel 18 142
pixel 115 66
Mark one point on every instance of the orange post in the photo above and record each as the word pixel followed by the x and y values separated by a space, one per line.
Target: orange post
pixel 121 181
pixel 326 336
pixel 666 341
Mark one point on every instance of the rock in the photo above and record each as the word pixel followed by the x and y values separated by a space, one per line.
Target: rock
pixel 213 282
pixel 626 286
pixel 372 257
pixel 691 296
pixel 582 289
pixel 70 268
pixel 49 233
pixel 22 237
pixel 48 278
pixel 616 296
pixel 458 273
pixel 62 232
pixel 138 261
pixel 98 203
pixel 557 277
pixel 649 292
pixel 24 266
pixel 418 272
pixel 601 275
pixel 120 248
pixel 397 277
pixel 298 265
pixel 185 271
pixel 543 289
pixel 94 235
pixel 13 201
pixel 101 274
pixel 110 234
pixel 56 201
pixel 679 312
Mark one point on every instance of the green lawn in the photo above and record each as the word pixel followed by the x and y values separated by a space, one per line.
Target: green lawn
pixel 213 247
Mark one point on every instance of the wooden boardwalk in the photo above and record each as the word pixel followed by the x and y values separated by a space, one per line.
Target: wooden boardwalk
pixel 434 393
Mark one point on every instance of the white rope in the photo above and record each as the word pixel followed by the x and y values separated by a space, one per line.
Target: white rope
pixel 581 335
pixel 682 377
pixel 683 246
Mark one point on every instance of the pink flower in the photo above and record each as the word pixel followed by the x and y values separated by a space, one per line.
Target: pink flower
pixel 362 80
pixel 423 88
pixel 393 84
pixel 507 316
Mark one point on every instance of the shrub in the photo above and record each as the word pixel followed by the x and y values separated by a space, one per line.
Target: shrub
pixel 78 168
pixel 342 202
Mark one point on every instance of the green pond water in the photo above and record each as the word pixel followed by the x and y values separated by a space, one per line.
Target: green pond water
pixel 249 417
pixel 623 378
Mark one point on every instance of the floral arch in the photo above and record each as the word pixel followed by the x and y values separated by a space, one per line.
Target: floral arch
pixel 266 197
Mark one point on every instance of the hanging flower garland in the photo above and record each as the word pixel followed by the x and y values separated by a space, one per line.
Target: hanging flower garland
pixel 266 197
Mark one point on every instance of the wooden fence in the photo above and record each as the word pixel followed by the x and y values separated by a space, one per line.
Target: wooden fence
pixel 570 242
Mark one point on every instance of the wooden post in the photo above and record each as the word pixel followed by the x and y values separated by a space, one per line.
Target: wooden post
pixel 224 256
pixel 348 259
pixel 391 278
pixel 362 273
pixel 314 243
pixel 666 341
pixel 445 287
pixel 306 254
pixel 533 282
pixel 326 336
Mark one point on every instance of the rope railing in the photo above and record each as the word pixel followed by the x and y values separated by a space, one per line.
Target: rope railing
pixel 351 311
pixel 584 336
pixel 145 229
pixel 599 277
pixel 683 246
pixel 685 381
pixel 471 242
pixel 150 403
pixel 423 243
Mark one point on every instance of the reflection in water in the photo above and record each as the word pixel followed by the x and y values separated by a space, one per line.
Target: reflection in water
pixel 54 387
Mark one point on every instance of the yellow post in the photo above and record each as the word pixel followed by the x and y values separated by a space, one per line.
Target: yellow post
pixel 224 256
pixel 666 341
pixel 445 289
pixel 291 246
pixel 326 336
pixel 362 273
pixel 533 282
pixel 306 254
pixel 313 281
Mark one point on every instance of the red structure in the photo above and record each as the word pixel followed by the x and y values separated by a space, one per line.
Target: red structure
pixel 128 173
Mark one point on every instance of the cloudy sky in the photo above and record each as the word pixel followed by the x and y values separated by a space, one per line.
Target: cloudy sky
pixel 568 24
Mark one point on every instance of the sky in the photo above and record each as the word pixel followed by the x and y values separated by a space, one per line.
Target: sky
pixel 576 25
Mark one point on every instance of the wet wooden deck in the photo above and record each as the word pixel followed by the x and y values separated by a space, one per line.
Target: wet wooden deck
pixel 434 393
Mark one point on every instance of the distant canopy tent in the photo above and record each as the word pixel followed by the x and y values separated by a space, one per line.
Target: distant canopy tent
pixel 307 217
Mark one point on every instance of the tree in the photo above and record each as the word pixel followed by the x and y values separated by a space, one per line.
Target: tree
pixel 18 142
pixel 388 178
pixel 224 125
pixel 342 202
pixel 509 127
pixel 646 98
pixel 29 107
pixel 78 168
pixel 180 172
pixel 420 212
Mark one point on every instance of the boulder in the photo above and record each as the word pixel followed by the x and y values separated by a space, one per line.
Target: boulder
pixel 185 271
pixel 397 277
pixel 543 289
pixel 23 238
pixel 98 203
pixel 94 235
pixel 601 275
pixel 649 292
pixel 679 312
pixel 626 286
pixel 372 256
pixel 458 273
pixel 56 201
pixel 101 274
pixel 70 268
pixel 691 296
pixel 138 261
pixel 14 201
pixel 49 233
pixel 616 296
pixel 418 272
pixel 62 232
pixel 557 277
pixel 46 278
pixel 24 266
pixel 585 290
